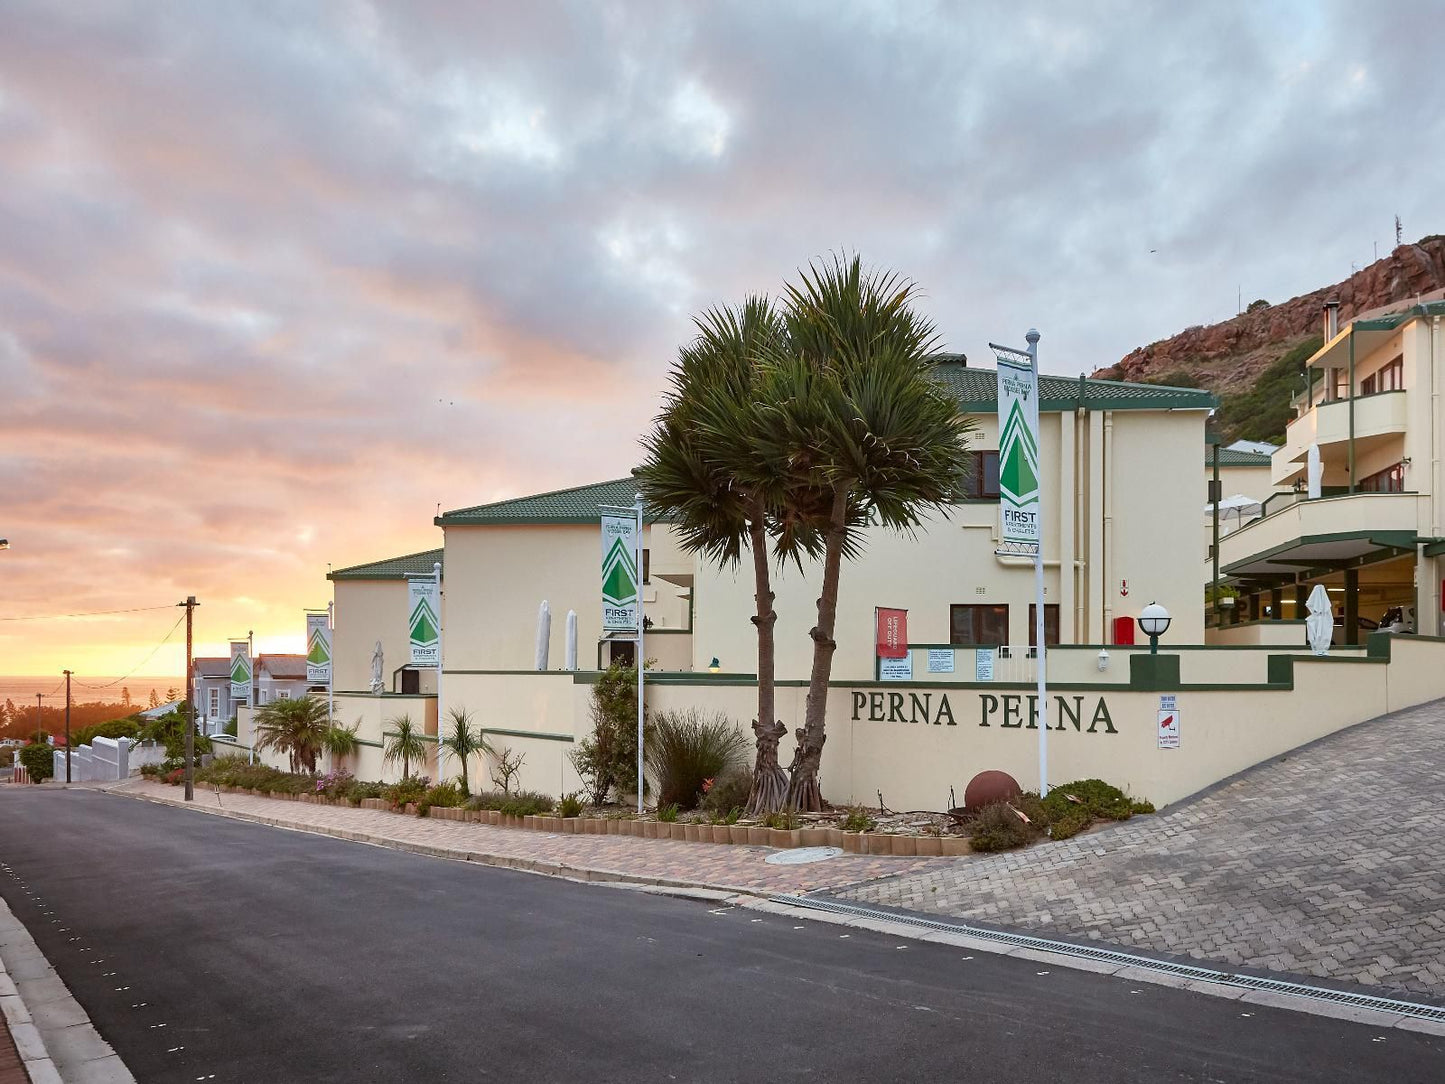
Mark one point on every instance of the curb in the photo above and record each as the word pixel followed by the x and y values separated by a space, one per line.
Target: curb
pixel 29 1043
pixel 583 874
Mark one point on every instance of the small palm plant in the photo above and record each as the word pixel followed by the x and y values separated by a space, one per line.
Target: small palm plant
pixel 464 741
pixel 299 728
pixel 404 743
pixel 342 742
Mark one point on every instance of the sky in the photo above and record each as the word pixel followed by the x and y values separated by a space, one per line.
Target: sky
pixel 277 281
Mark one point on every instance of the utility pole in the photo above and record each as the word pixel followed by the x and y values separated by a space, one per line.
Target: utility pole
pixel 67 726
pixel 190 604
pixel 39 717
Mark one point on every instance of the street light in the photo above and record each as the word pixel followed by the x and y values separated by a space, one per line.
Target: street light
pixel 4 543
pixel 1154 622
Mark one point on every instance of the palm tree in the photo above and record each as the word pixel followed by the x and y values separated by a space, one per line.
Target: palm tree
pixel 703 443
pixel 464 741
pixel 299 728
pixel 342 742
pixel 854 406
pixel 404 743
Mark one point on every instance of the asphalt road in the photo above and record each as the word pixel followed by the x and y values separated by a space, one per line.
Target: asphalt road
pixel 272 956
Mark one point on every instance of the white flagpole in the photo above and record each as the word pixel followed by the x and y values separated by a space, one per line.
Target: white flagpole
pixel 251 658
pixel 638 662
pixel 441 660
pixel 331 669
pixel 1039 623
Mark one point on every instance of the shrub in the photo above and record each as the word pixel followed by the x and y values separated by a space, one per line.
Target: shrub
pixel 410 790
pixel 998 827
pixel 233 727
pixel 570 805
pixel 785 819
pixel 39 761
pixel 115 728
pixel 688 749
pixel 150 771
pixel 727 792
pixel 607 760
pixel 667 813
pixel 359 790
pixel 506 769
pixel 7 757
pixel 527 803
pixel 857 819
pixel 447 795
pixel 175 777
pixel 334 784
pixel 488 799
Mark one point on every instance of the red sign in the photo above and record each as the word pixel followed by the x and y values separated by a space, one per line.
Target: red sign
pixel 892 633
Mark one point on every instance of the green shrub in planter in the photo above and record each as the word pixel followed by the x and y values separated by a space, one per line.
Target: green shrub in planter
pixel 527 803
pixel 570 805
pixel 39 761
pixel 447 795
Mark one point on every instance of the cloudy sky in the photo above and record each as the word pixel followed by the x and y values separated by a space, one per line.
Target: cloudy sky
pixel 277 280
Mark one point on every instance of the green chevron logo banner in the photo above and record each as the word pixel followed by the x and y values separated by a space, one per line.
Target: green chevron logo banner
pixel 621 604
pixel 240 671
pixel 1018 450
pixel 318 649
pixel 424 621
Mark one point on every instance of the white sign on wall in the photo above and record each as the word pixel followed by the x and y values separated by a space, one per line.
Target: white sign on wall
pixel 940 660
pixel 1168 722
pixel 896 669
pixel 983 664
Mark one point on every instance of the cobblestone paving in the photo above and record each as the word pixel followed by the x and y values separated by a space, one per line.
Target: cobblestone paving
pixel 1330 863
pixel 709 865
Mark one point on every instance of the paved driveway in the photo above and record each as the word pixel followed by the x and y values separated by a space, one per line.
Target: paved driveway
pixel 1328 863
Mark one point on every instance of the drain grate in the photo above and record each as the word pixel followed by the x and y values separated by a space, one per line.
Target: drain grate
pixel 1114 956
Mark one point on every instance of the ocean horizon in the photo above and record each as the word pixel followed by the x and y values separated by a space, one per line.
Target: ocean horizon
pixel 85 689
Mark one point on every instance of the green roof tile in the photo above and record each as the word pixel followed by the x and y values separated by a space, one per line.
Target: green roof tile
pixel 977 390
pixel 576 505
pixel 393 568
pixel 1230 458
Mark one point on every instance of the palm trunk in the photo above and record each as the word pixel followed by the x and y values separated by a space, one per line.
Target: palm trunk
pixel 770 782
pixel 465 789
pixel 803 791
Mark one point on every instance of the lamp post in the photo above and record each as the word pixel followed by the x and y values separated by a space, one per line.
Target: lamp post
pixel 1154 622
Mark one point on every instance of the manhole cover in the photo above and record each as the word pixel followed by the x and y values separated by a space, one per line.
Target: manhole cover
pixel 801 856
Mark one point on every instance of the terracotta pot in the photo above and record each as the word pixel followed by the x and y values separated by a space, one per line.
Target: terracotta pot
pixel 928 846
pixel 955 845
pixel 904 846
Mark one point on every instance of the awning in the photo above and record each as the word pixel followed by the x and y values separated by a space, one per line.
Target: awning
pixel 1323 553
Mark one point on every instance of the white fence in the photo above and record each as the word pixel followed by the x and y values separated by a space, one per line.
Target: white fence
pixel 107 760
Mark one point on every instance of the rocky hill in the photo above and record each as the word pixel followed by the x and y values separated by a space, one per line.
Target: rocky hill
pixel 1251 360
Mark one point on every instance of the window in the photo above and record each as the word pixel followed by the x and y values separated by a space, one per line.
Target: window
pixel 285 694
pixel 646 566
pixel 215 702
pixel 1051 624
pixel 978 624
pixel 1389 480
pixel 982 484
pixel 1390 378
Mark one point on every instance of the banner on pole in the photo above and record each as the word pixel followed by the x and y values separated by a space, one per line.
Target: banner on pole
pixel 423 599
pixel 621 601
pixel 318 649
pixel 892 632
pixel 1018 451
pixel 240 671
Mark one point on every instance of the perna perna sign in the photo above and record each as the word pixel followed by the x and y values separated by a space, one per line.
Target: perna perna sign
pixel 1008 711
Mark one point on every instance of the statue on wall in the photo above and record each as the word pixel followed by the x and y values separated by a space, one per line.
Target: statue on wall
pixel 377 668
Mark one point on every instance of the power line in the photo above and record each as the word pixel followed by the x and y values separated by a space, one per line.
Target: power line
pixel 143 661
pixel 92 613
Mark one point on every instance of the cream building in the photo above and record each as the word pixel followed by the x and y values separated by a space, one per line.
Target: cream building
pixel 1375 534
pixel 1121 521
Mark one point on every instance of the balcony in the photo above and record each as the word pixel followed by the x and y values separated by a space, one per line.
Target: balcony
pixel 1377 418
pixel 1321 533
